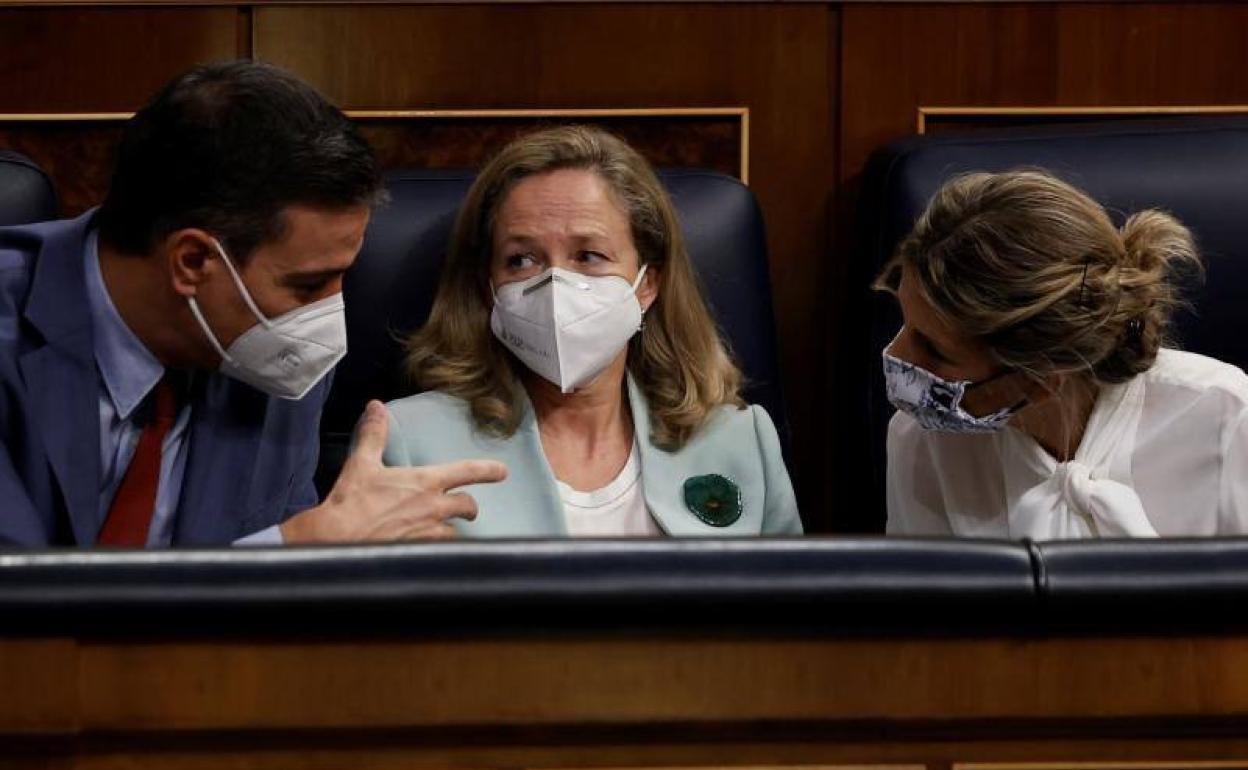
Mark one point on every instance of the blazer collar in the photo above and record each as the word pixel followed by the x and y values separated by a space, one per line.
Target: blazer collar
pixel 650 456
pixel 548 504
pixel 57 304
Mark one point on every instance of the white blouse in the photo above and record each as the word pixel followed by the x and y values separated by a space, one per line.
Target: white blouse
pixel 616 510
pixel 1164 454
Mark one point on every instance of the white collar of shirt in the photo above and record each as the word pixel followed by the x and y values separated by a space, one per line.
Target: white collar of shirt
pixel 128 368
pixel 1090 495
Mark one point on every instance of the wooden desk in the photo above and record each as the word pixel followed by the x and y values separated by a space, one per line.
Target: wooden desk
pixel 625 702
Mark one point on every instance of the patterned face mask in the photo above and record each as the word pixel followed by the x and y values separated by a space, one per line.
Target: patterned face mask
pixel 935 403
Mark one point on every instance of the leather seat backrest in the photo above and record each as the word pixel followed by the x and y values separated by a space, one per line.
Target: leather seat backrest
pixel 26 193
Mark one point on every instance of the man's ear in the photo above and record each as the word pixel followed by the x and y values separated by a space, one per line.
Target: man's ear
pixel 648 291
pixel 191 255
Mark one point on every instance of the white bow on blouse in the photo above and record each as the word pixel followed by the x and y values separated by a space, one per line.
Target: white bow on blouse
pixel 1091 494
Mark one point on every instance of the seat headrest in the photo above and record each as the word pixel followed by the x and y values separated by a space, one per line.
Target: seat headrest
pixel 1193 168
pixel 26 193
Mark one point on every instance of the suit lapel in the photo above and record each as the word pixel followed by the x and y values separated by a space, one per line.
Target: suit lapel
pixel 62 383
pixel 547 508
pixel 651 457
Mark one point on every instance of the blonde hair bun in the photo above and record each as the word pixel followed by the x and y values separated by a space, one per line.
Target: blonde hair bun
pixel 1035 269
pixel 1158 250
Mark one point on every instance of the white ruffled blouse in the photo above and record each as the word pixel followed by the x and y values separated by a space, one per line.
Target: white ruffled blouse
pixel 1164 454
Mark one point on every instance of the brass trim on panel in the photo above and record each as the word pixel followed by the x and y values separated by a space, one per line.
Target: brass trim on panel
pixel 1126 765
pixel 771 767
pixel 1135 111
pixel 742 114
pixel 62 117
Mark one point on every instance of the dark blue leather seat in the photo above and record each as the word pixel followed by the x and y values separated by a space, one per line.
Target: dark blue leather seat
pixel 1192 167
pixel 847 586
pixel 390 288
pixel 1172 586
pixel 26 193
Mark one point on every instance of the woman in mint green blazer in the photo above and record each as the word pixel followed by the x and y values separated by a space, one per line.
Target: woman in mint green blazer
pixel 569 340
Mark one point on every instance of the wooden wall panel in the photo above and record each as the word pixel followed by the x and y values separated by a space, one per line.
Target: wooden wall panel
pixel 1152 53
pixel 898 57
pixel 710 141
pixel 777 60
pixel 76 60
pixel 77 152
pixel 624 702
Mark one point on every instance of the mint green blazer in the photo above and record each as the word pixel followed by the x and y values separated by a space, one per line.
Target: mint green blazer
pixel 739 444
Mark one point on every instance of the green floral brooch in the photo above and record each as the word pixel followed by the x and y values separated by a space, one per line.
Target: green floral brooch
pixel 714 499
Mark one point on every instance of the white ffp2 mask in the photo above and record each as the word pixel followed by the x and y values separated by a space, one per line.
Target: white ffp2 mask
pixel 284 356
pixel 565 326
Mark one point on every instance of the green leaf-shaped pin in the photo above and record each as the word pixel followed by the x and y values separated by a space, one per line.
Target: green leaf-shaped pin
pixel 714 499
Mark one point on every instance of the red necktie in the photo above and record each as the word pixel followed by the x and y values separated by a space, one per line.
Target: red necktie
pixel 130 515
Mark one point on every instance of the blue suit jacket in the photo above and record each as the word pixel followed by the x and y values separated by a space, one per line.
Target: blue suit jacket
pixel 250 456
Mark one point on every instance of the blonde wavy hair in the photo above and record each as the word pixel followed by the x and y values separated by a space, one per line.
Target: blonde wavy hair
pixel 1036 270
pixel 678 359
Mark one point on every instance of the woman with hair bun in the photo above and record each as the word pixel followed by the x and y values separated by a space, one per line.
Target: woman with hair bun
pixel 1036 392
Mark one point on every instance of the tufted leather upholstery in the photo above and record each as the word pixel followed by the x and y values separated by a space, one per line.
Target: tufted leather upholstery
pixel 26 193
pixel 390 288
pixel 1192 167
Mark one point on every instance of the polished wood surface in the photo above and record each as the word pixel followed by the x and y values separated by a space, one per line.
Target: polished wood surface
pixel 632 702
pixel 690 681
pixel 900 57
pixel 104 60
pixel 1189 765
pixel 942 119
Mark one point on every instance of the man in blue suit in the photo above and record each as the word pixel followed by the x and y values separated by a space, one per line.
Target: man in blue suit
pixel 164 359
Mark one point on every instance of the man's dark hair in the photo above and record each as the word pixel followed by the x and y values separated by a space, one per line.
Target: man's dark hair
pixel 226 147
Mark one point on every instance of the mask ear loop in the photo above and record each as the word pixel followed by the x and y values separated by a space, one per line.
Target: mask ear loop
pixel 637 284
pixel 1011 410
pixel 640 275
pixel 242 289
pixel 199 314
pixel 203 324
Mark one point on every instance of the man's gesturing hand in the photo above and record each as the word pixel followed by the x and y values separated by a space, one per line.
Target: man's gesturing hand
pixel 372 502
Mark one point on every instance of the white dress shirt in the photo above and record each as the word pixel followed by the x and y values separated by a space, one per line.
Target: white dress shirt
pixel 1164 454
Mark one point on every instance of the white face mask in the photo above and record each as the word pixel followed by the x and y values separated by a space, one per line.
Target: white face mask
pixel 287 355
pixel 566 326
